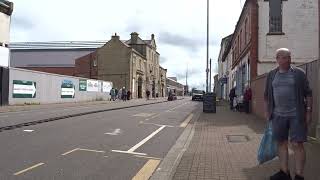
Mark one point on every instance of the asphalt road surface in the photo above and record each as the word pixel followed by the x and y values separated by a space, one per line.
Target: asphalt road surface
pixel 116 145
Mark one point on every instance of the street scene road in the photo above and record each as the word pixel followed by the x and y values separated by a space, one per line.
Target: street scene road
pixel 119 144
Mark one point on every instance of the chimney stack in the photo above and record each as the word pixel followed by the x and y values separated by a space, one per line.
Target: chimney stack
pixel 115 37
pixel 134 37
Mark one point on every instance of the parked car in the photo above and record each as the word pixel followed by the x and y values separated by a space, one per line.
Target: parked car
pixel 197 95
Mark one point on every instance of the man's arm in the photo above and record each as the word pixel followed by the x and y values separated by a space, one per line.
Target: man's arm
pixel 266 94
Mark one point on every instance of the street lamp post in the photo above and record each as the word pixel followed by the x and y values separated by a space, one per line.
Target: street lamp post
pixel 210 77
pixel 207 69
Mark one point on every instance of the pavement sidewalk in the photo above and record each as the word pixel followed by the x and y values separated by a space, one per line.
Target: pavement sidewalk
pixel 224 147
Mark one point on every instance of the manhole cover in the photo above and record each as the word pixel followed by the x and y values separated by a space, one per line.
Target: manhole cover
pixel 237 138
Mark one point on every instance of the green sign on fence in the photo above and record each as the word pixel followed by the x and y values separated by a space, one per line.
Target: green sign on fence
pixel 82 85
pixel 24 89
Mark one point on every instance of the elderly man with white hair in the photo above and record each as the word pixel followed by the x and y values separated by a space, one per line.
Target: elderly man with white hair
pixel 288 102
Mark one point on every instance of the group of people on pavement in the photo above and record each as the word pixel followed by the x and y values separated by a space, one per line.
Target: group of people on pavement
pixel 236 104
pixel 288 106
pixel 121 94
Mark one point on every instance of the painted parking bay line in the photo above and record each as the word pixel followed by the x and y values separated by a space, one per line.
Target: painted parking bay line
pixel 152 117
pixel 28 130
pixel 144 114
pixel 147 170
pixel 132 150
pixel 170 110
pixel 73 150
pixel 186 122
pixel 28 169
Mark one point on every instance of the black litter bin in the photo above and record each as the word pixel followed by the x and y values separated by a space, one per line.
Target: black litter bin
pixel 209 103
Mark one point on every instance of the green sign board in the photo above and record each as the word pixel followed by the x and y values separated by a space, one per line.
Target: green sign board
pixel 67 89
pixel 24 89
pixel 82 85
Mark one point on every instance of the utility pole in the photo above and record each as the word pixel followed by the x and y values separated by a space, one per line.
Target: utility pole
pixel 210 76
pixel 207 70
pixel 187 90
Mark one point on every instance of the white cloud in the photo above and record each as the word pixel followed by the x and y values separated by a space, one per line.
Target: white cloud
pixel 182 20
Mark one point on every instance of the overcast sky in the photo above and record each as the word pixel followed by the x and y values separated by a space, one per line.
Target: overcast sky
pixel 179 27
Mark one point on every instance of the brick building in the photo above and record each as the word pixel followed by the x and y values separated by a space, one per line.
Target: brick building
pixel 263 27
pixel 133 64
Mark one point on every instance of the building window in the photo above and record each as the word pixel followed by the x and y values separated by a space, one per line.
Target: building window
pixel 246 32
pixel 94 63
pixel 275 16
pixel 241 40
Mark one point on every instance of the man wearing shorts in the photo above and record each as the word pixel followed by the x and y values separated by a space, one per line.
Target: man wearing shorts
pixel 288 102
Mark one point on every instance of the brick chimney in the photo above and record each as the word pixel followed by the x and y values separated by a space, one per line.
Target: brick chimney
pixel 115 37
pixel 152 36
pixel 134 37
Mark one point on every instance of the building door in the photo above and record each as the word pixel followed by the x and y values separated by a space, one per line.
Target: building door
pixel 153 89
pixel 140 87
pixel 162 90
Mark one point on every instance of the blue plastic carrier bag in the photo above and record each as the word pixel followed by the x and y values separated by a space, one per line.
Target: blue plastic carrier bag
pixel 268 146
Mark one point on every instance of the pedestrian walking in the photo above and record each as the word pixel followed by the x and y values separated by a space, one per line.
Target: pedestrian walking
pixel 232 95
pixel 120 94
pixel 247 99
pixel 148 94
pixel 288 102
pixel 116 91
pixel 113 94
pixel 124 94
pixel 128 95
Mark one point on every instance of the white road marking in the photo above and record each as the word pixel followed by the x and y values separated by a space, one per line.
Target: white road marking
pixel 186 122
pixel 90 150
pixel 156 124
pixel 144 114
pixel 153 117
pixel 115 132
pixel 170 110
pixel 147 157
pixel 127 152
pixel 28 130
pixel 131 150
pixel 146 139
pixel 76 149
pixel 28 169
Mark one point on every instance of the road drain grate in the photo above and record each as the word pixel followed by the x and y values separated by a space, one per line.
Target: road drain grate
pixel 237 138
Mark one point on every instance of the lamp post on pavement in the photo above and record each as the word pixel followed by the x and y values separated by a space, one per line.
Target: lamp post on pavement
pixel 207 59
pixel 210 77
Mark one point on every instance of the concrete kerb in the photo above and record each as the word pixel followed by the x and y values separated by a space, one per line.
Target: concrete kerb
pixel 23 108
pixel 11 127
pixel 168 166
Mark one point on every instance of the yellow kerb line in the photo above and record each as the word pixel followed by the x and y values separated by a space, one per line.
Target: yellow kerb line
pixel 186 122
pixel 147 170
